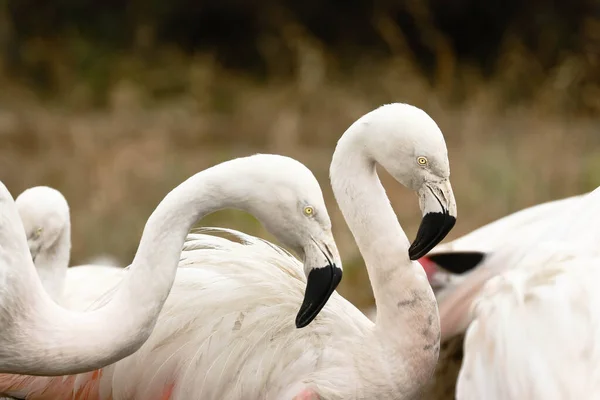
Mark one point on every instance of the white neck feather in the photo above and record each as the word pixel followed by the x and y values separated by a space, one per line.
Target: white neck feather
pixel 405 342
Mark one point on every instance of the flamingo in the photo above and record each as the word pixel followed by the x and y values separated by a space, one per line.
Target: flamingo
pixel 538 231
pixel 223 333
pixel 38 337
pixel 45 214
pixel 535 327
pixel 516 305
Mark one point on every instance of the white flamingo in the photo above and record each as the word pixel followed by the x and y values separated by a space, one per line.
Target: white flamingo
pixel 45 214
pixel 222 335
pixel 39 337
pixel 46 219
pixel 535 328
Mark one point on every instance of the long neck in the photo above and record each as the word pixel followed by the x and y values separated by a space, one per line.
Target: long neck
pixel 406 334
pixel 51 340
pixel 52 264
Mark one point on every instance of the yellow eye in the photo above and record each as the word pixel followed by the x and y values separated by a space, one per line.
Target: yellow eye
pixel 422 160
pixel 38 232
pixel 308 210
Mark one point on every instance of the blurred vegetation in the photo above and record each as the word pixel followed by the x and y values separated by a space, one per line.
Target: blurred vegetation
pixel 114 103
pixel 541 49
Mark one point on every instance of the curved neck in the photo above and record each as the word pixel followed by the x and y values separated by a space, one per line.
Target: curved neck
pixel 50 340
pixel 52 264
pixel 407 327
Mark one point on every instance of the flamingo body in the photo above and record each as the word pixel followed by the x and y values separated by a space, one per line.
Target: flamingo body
pixel 534 335
pixel 201 339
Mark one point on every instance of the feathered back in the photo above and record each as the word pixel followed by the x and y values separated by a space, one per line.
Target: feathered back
pixel 202 246
pixel 232 308
pixel 535 335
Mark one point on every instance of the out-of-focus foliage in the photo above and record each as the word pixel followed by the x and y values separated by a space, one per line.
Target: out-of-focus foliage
pixel 446 39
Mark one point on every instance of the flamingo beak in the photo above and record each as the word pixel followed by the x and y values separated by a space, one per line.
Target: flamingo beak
pixel 438 206
pixel 321 281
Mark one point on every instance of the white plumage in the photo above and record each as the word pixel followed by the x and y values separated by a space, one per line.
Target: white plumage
pixel 225 331
pixel 227 319
pixel 535 335
pixel 534 327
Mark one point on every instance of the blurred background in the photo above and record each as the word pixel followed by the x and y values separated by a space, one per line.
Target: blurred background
pixel 114 103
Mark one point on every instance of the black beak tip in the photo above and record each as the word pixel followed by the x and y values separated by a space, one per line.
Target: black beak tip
pixel 433 229
pixel 458 262
pixel 301 322
pixel 321 283
pixel 413 254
